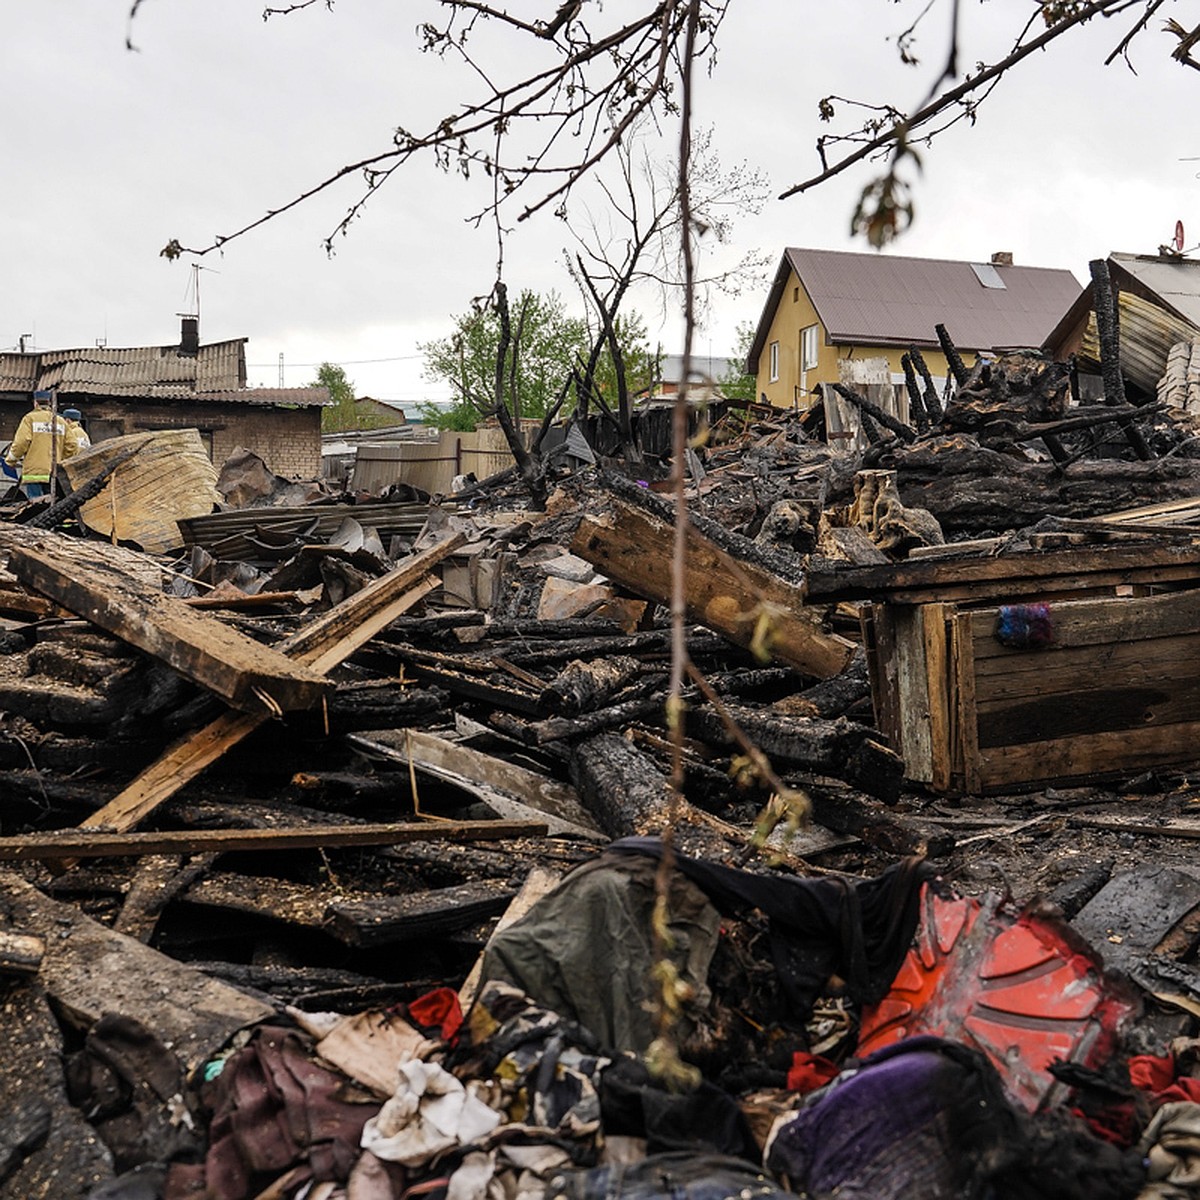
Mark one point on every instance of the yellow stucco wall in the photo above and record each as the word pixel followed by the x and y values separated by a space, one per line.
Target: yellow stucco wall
pixel 796 311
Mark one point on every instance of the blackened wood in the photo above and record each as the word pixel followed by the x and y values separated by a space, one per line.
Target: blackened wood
pixel 95 843
pixel 584 686
pixel 933 404
pixel 832 697
pixel 1001 575
pixel 46 792
pixel 621 785
pixel 158 880
pixel 388 919
pixel 975 492
pixel 957 367
pixel 651 700
pixel 844 812
pixel 870 408
pixel 242 672
pixel 916 402
pixel 377 704
pixel 20 953
pixel 842 749
pixel 1108 330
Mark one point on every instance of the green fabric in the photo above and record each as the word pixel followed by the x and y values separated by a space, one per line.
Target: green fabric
pixel 586 950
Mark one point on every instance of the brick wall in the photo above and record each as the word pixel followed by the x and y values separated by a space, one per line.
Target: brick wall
pixel 289 439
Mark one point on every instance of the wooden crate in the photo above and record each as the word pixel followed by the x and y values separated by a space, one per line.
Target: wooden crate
pixel 1118 690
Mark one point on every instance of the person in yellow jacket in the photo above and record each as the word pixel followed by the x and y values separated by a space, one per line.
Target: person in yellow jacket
pixel 42 436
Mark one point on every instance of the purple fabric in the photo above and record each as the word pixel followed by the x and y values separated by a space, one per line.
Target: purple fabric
pixel 879 1132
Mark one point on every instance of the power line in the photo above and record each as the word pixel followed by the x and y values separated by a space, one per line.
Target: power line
pixel 355 362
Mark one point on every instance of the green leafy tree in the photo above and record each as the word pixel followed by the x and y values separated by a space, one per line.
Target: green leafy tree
pixel 736 384
pixel 341 414
pixel 546 344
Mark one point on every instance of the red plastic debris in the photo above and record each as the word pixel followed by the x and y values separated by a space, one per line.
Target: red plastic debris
pixel 1021 988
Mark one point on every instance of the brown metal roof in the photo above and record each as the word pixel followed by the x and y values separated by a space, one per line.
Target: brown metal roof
pixel 887 300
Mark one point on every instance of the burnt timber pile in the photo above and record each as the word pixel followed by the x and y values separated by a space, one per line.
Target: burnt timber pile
pixel 306 768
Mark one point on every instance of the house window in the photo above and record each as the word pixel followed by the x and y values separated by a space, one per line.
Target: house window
pixel 808 347
pixel 774 361
pixel 795 295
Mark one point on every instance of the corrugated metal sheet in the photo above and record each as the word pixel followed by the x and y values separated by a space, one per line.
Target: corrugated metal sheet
pixel 135 371
pixel 1147 335
pixel 872 299
pixel 216 374
pixel 1176 280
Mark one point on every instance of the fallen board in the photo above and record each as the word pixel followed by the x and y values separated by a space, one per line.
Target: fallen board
pixel 90 970
pixel 740 600
pixel 96 843
pixel 244 673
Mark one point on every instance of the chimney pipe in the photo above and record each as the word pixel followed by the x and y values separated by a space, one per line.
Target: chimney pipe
pixel 1002 258
pixel 189 337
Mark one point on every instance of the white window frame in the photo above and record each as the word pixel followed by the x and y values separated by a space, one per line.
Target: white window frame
pixel 773 352
pixel 810 347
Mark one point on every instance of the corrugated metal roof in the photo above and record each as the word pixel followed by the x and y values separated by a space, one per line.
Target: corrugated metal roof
pixel 150 371
pixel 1175 280
pixel 299 397
pixel 878 299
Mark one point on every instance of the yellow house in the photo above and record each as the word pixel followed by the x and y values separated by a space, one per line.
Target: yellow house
pixel 829 306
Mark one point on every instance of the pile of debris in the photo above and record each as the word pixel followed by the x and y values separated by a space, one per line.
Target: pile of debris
pixel 337 833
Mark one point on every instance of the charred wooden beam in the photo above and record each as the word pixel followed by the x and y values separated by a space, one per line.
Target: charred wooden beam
pixel 1108 330
pixel 244 673
pixel 916 402
pixel 584 686
pixel 870 408
pixel 844 812
pixel 739 599
pixel 842 749
pixel 933 404
pixel 958 368
pixel 652 700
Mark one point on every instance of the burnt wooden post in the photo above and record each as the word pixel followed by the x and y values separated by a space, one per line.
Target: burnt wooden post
pixel 868 408
pixel 957 367
pixel 1108 330
pixel 933 404
pixel 916 401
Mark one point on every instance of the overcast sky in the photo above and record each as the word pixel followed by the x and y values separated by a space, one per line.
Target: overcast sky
pixel 220 116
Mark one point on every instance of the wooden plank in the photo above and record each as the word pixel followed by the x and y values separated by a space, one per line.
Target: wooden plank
pixel 1114 705
pixel 1037 672
pixel 1089 756
pixel 879 632
pixel 913 686
pixel 242 672
pixel 1091 622
pixel 1043 570
pixel 494 781
pixel 937 683
pixel 740 600
pixel 967 719
pixel 89 971
pixel 375 607
pixel 95 843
